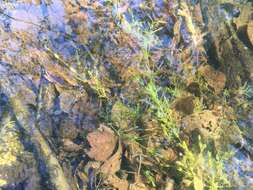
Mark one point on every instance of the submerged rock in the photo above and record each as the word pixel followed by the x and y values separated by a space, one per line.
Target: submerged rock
pixel 185 105
pixel 68 129
pixel 229 10
pixel 215 125
pixel 215 79
pixel 205 122
pixel 68 98
pixel 224 49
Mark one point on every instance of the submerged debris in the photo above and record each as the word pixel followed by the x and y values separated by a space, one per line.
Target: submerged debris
pixel 126 95
pixel 102 142
pixel 215 79
pixel 250 31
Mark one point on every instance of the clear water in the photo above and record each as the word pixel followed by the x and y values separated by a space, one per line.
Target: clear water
pixel 79 34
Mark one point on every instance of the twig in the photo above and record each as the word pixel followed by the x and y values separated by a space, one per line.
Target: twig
pixel 19 20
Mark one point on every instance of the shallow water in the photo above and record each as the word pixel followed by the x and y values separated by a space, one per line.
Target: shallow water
pixel 52 52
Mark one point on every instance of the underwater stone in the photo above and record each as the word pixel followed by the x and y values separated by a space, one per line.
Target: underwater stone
pixel 185 105
pixel 215 79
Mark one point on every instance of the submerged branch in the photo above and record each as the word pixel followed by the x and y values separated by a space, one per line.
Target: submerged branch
pixel 23 116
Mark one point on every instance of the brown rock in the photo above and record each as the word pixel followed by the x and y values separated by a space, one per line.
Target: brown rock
pixel 85 106
pixel 215 79
pixel 205 122
pixel 68 98
pixel 194 88
pixel 68 129
pixel 211 126
pixel 185 105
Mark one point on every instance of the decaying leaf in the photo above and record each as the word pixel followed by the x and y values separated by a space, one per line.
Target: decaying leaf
pixel 102 142
pixel 250 31
pixel 118 183
pixel 112 165
pixel 138 186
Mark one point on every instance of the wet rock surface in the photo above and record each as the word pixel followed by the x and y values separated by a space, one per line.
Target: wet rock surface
pixel 227 51
pixel 215 79
pixel 185 105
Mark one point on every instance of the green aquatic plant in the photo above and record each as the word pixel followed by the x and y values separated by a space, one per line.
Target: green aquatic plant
pixel 203 170
pixel 175 92
pixel 199 105
pixel 226 95
pixel 246 90
pixel 11 146
pixel 123 115
pixel 125 118
pixel 129 135
pixel 150 178
pixel 143 33
pixel 162 110
pixel 98 86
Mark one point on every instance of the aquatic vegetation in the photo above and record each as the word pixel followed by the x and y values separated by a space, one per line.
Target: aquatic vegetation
pixel 161 108
pixel 195 34
pixel 125 119
pixel 124 116
pixel 10 147
pixel 144 34
pixel 201 169
pixel 199 105
pixel 246 90
pixel 150 178
pixel 98 87
pixel 113 94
